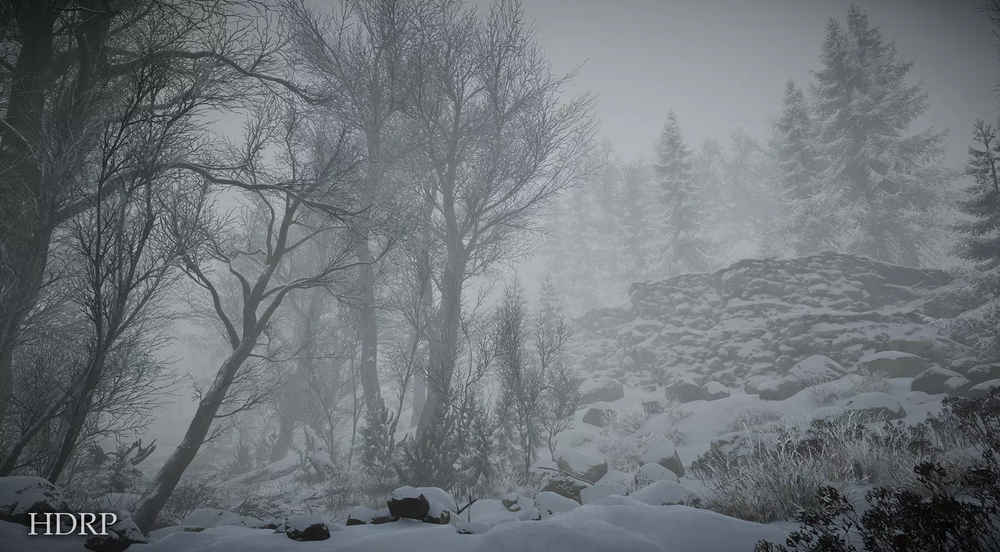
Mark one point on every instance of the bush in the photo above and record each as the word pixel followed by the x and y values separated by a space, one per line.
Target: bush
pixel 949 511
pixel 780 470
pixel 758 416
pixel 868 381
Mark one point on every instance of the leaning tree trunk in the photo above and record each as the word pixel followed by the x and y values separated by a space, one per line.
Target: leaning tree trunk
pixel 170 474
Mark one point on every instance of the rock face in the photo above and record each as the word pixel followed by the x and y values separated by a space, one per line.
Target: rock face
pixel 763 316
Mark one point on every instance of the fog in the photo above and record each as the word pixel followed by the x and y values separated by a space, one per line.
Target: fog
pixel 691 272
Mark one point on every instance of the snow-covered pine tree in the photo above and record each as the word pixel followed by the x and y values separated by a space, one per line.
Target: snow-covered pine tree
pixel 809 224
pixel 981 243
pixel 635 228
pixel 684 245
pixel 888 183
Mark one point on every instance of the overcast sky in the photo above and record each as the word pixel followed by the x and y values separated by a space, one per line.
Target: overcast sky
pixel 723 64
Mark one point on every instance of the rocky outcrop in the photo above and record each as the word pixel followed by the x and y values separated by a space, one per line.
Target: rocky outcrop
pixel 763 316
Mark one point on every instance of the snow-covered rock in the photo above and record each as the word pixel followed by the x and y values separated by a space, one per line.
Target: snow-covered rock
pixel 660 493
pixel 660 450
pixel 875 406
pixel 207 517
pixel 415 502
pixel 586 466
pixel 983 389
pixel 602 389
pixel 530 514
pixel 931 380
pixel 121 535
pixel 510 502
pixel 780 389
pixel 684 390
pixel 359 515
pixel 817 369
pixel 714 390
pixel 22 495
pixel 566 486
pixel 615 476
pixel 472 528
pixel 438 514
pixel 601 490
pixel 598 415
pixel 306 528
pixel 549 503
pixel 983 372
pixel 894 364
pixel 241 521
pixel 650 473
pixel 957 386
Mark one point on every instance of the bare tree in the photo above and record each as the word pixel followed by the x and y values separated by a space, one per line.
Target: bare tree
pixel 300 190
pixel 496 142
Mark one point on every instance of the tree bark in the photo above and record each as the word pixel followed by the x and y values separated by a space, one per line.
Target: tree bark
pixel 171 472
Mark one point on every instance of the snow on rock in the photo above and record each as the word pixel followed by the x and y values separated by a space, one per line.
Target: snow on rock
pixel 472 527
pixel 817 369
pixel 415 502
pixel 894 364
pixel 22 495
pixel 931 380
pixel 602 389
pixel 714 390
pixel 917 398
pixel 874 406
pixel 650 473
pixel 122 534
pixel 660 450
pixel 359 515
pixel 598 415
pixel 530 514
pixel 983 389
pixel 586 466
pixel 983 372
pixel 615 476
pixel 780 389
pixel 567 486
pixel 548 503
pixel 438 514
pixel 601 490
pixel 306 528
pixel 957 386
pixel 762 316
pixel 207 517
pixel 684 390
pixel 242 521
pixel 660 493
pixel 510 502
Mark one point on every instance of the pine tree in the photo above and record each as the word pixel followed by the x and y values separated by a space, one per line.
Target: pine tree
pixel 886 183
pixel 808 225
pixel 982 234
pixel 635 229
pixel 685 247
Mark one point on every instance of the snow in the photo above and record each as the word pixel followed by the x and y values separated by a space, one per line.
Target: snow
pixel 19 493
pixel 207 517
pixel 601 490
pixel 659 493
pixel 432 494
pixel 576 462
pixel 613 524
pixel 656 472
pixel 658 448
pixel 550 503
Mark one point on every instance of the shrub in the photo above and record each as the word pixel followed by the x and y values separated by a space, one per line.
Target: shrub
pixel 758 416
pixel 950 510
pixel 868 381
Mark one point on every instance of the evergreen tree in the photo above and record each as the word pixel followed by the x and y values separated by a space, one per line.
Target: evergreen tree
pixel 808 225
pixel 635 229
pixel 685 247
pixel 886 183
pixel 982 234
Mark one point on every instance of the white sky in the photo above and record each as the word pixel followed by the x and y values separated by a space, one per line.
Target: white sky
pixel 723 64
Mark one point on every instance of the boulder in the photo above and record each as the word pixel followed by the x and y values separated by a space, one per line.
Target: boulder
pixel 713 391
pixel 530 514
pixel 601 490
pixel 598 416
pixel 652 407
pixel 601 389
pixel 650 473
pixel 509 502
pixel 306 528
pixel 875 406
pixel 983 389
pixel 472 528
pixel 360 515
pixel 385 516
pixel 662 493
pixel 584 466
pixel 780 389
pixel 22 495
pixel 660 450
pixel 931 380
pixel 208 517
pixel 684 390
pixel 415 502
pixel 438 514
pixel 963 365
pixel 983 372
pixel 752 384
pixel 549 503
pixel 566 486
pixel 121 535
pixel 894 364
pixel 958 386
pixel 817 369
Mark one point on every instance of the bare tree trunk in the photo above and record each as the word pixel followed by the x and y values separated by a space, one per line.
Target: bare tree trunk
pixel 283 443
pixel 171 472
pixel 368 365
pixel 444 355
